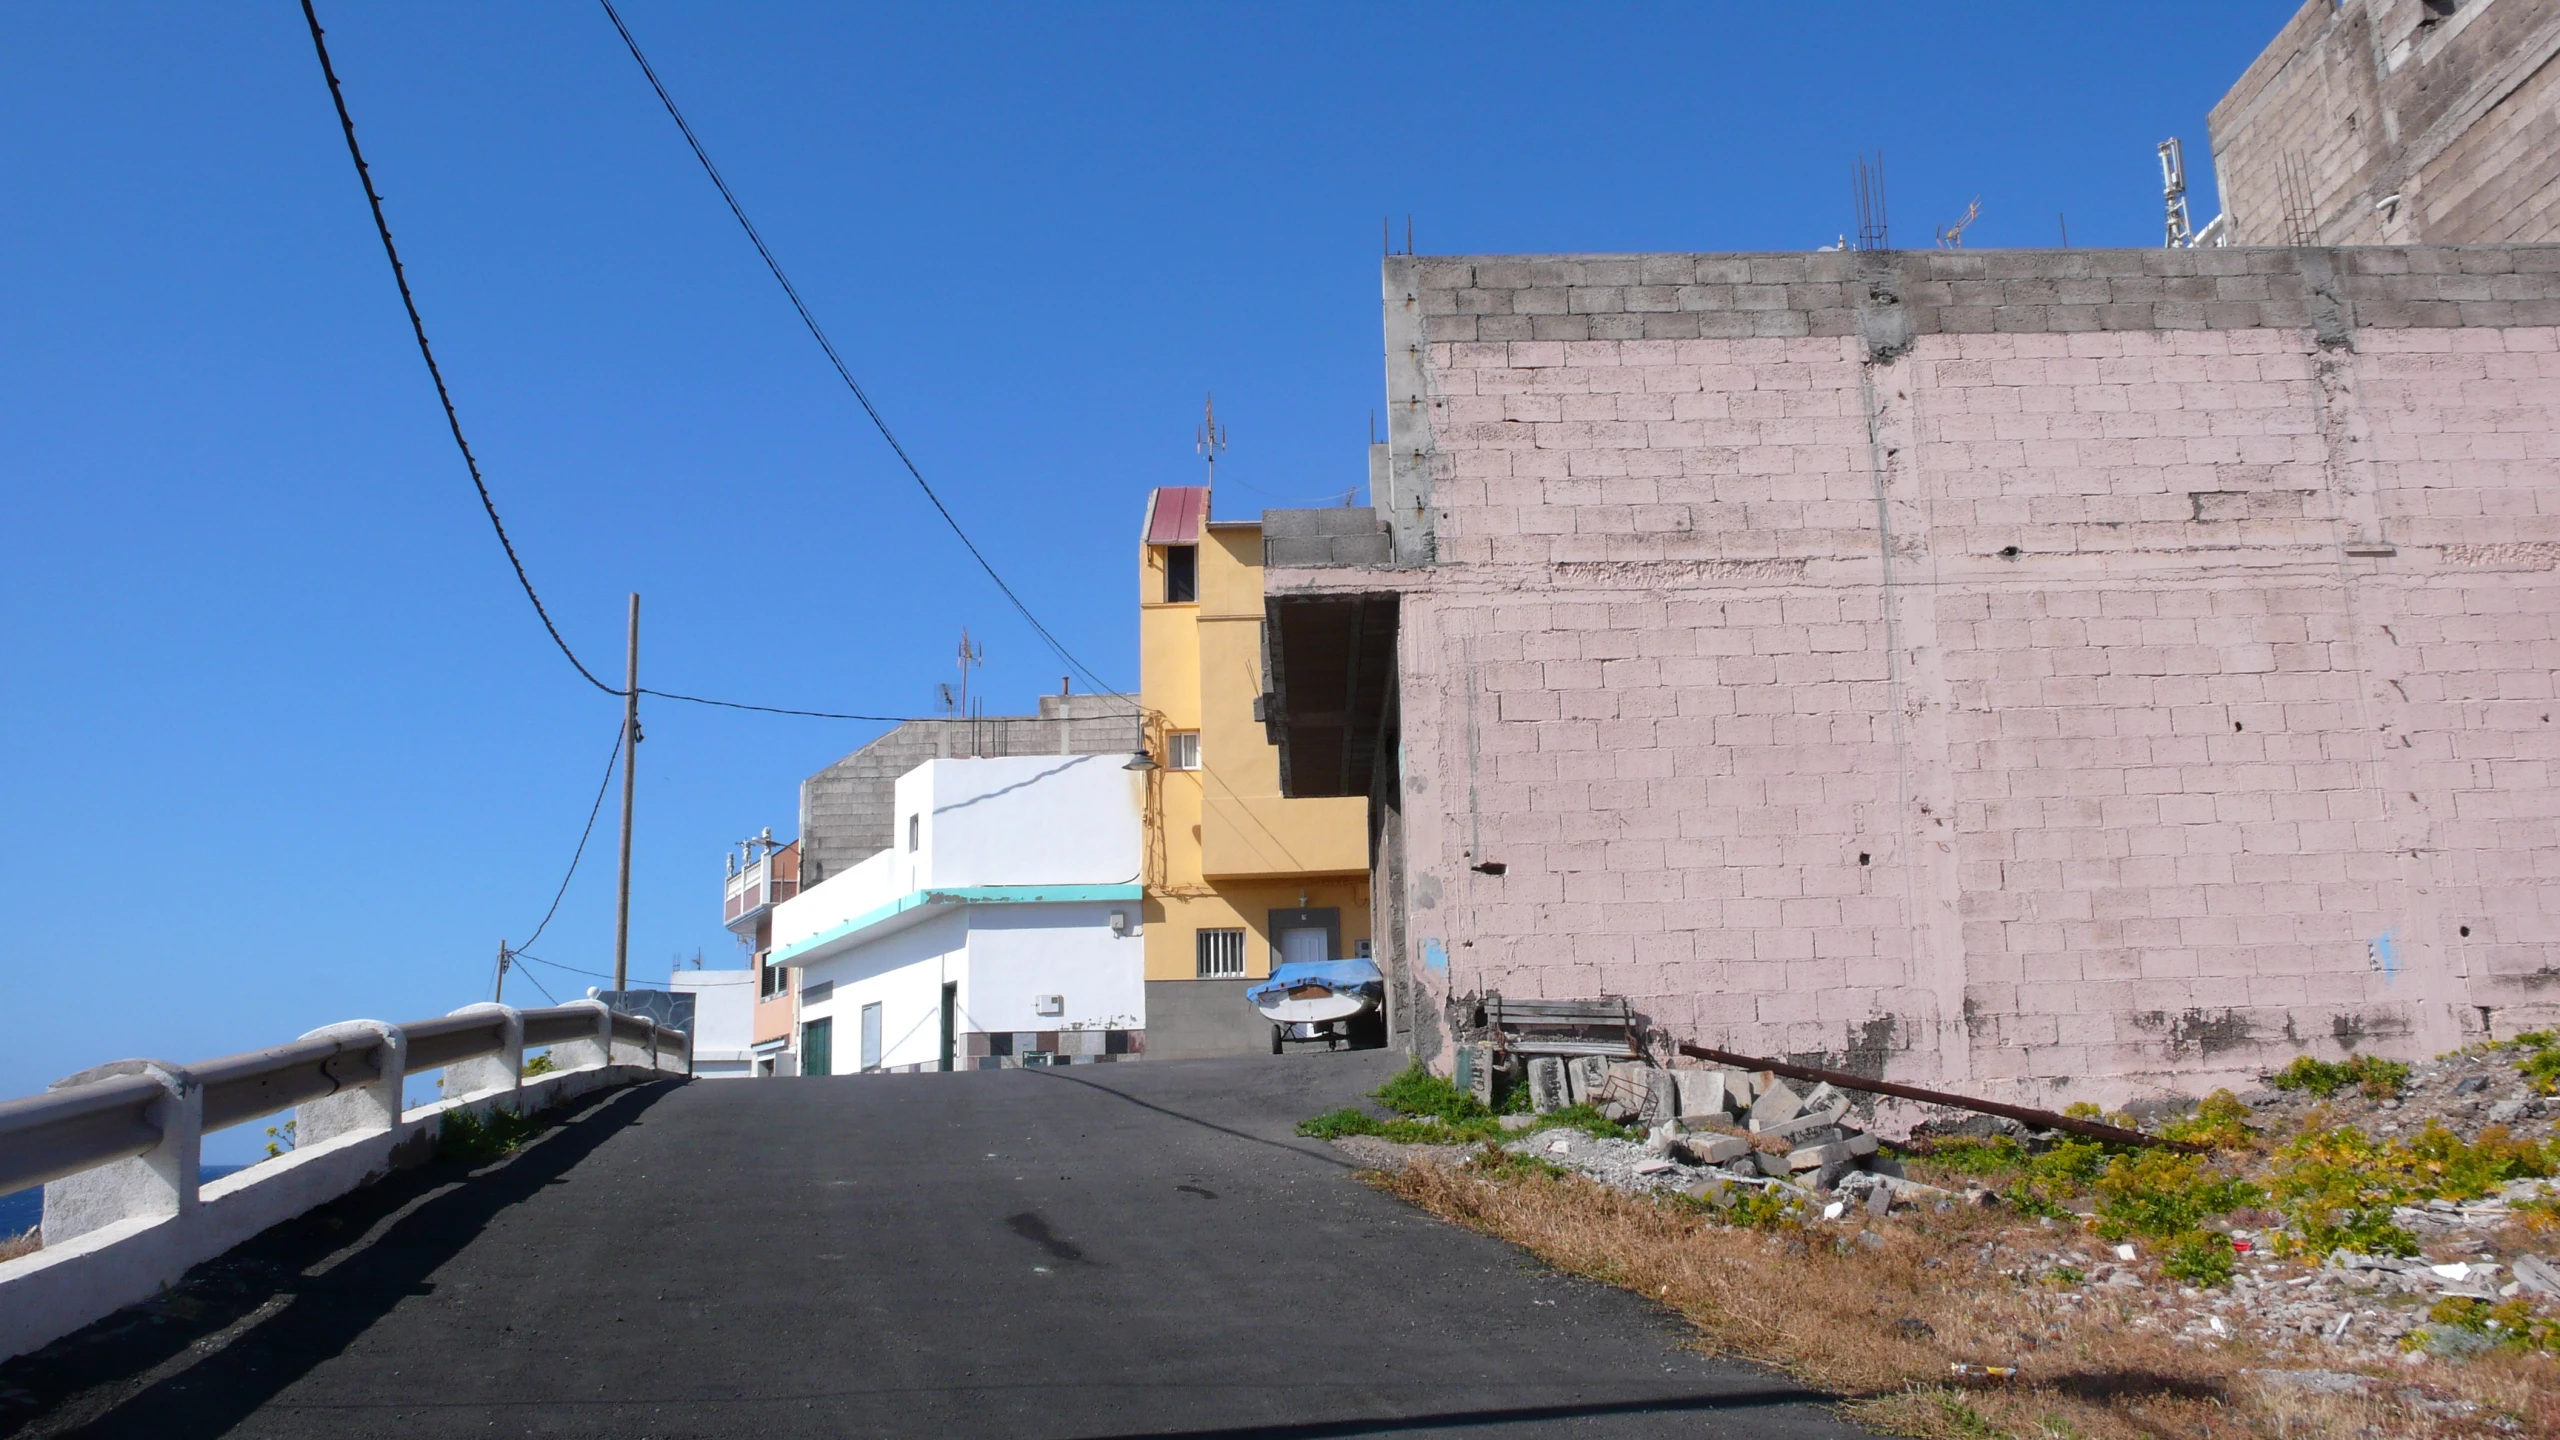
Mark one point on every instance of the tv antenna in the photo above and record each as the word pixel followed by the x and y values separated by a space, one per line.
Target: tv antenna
pixel 1951 237
pixel 2180 230
pixel 1212 439
pixel 972 655
pixel 950 703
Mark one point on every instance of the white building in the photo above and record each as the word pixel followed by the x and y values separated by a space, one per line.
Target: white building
pixel 1000 928
pixel 724 1003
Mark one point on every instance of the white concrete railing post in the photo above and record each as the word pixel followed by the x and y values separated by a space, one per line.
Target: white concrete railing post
pixel 367 1109
pixel 158 1184
pixel 587 1053
pixel 499 1074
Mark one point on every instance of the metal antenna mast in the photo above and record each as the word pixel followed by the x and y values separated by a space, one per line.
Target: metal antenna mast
pixel 2179 229
pixel 972 655
pixel 1212 441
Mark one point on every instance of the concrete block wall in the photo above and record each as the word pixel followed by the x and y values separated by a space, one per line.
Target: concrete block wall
pixel 848 810
pixel 2386 122
pixel 2059 674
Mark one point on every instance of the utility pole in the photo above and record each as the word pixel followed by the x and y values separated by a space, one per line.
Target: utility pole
pixel 630 771
pixel 498 993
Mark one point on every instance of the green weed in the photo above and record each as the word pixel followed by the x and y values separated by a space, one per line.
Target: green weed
pixel 2164 1194
pixel 469 1139
pixel 2511 1323
pixel 2337 1186
pixel 1496 1163
pixel 1416 1091
pixel 2203 1258
pixel 1400 1130
pixel 2541 1063
pixel 2220 1121
pixel 2379 1079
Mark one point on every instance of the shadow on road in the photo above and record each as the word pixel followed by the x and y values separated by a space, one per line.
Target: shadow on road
pixel 240 1328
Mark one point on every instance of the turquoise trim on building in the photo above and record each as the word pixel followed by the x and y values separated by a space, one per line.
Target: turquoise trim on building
pixel 948 898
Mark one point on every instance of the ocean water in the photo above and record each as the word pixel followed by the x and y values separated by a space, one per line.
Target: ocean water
pixel 24 1210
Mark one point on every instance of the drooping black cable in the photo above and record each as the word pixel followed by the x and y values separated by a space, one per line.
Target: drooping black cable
pixel 556 965
pixel 843 372
pixel 417 326
pixel 776 709
pixel 580 853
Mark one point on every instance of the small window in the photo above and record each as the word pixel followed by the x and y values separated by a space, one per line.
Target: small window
pixel 915 832
pixel 1182 750
pixel 776 980
pixel 1221 954
pixel 1181 574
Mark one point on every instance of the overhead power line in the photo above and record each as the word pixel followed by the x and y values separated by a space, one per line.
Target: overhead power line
pixel 583 836
pixel 843 372
pixel 418 327
pixel 453 419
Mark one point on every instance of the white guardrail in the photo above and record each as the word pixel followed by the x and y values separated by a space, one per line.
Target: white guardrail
pixel 118 1149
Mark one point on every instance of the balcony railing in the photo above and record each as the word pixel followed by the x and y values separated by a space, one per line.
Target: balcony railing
pixel 764 883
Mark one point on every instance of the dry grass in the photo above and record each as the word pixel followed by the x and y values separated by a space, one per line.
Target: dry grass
pixel 25 1242
pixel 1883 1320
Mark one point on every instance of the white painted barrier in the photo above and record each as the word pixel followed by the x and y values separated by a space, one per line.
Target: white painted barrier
pixel 119 1148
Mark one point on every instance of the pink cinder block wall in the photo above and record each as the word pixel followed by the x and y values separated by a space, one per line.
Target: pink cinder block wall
pixel 1975 685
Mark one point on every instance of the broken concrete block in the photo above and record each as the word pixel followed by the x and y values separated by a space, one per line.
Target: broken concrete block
pixel 1814 1157
pixel 1583 1077
pixel 2535 1273
pixel 1880 1201
pixel 1547 1092
pixel 1708 1092
pixel 1474 1074
pixel 1630 1095
pixel 1519 1122
pixel 1828 1115
pixel 1775 1106
pixel 1655 1166
pixel 1714 1149
pixel 1773 1166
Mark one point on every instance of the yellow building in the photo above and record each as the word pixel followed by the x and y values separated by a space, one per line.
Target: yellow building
pixel 1238 878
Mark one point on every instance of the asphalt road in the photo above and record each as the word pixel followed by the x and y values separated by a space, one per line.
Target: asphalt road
pixel 1140 1249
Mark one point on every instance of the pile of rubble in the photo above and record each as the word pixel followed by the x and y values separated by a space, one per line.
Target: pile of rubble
pixel 1706 1130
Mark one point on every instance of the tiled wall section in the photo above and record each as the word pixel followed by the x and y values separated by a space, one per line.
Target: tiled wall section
pixel 2060 705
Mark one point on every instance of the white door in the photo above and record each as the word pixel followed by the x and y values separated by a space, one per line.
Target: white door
pixel 1304 945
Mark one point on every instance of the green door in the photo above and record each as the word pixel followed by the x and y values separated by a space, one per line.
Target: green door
pixel 950 1022
pixel 817 1047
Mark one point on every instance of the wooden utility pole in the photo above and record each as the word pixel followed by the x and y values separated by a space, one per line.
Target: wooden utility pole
pixel 630 771
pixel 498 993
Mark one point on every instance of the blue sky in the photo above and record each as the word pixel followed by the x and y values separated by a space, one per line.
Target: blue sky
pixel 286 745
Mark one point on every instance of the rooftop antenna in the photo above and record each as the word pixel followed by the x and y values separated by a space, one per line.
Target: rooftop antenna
pixel 949 703
pixel 2178 228
pixel 1866 182
pixel 1212 439
pixel 972 655
pixel 1408 234
pixel 1951 237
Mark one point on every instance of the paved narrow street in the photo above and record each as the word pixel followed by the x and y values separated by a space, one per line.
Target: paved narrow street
pixel 1139 1249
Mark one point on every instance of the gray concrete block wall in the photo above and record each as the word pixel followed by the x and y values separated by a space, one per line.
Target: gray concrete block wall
pixel 1340 535
pixel 2385 123
pixel 847 811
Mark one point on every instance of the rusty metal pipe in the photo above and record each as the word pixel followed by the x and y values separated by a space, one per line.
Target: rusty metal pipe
pixel 2025 1115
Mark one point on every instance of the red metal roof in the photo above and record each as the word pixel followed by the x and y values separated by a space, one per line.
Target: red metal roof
pixel 1175 514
